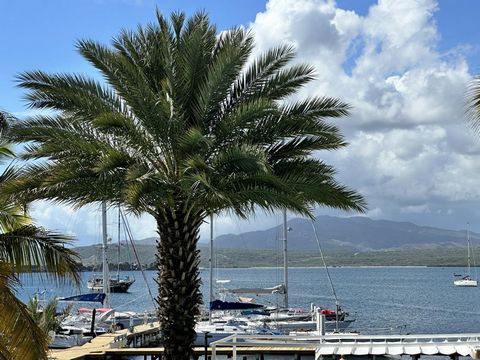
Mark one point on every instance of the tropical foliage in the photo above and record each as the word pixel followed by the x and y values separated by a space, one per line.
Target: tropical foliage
pixel 45 314
pixel 186 124
pixel 24 248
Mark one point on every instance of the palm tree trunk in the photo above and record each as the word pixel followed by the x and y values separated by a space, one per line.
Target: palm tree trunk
pixel 178 279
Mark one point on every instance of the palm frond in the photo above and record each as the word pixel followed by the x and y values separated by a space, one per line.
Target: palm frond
pixel 11 213
pixel 5 120
pixel 473 103
pixel 253 79
pixel 287 81
pixel 31 248
pixel 21 338
pixel 230 55
pixel 314 182
pixel 5 151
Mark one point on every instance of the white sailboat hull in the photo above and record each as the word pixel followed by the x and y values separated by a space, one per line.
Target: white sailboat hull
pixel 465 282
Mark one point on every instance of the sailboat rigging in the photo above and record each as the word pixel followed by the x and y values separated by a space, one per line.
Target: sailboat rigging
pixel 338 310
pixel 466 280
pixel 114 284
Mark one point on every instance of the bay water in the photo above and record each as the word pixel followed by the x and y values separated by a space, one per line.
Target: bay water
pixel 382 299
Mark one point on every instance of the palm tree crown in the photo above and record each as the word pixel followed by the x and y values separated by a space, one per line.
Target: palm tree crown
pixel 185 125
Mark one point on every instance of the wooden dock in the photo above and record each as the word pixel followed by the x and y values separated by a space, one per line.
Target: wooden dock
pixel 141 335
pixel 135 342
pixel 96 346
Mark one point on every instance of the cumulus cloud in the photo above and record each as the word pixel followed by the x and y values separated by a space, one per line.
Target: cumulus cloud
pixel 410 148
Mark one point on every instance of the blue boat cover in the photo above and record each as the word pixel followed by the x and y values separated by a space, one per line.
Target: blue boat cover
pixel 227 305
pixel 93 297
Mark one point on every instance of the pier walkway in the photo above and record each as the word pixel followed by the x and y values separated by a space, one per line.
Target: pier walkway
pixel 141 335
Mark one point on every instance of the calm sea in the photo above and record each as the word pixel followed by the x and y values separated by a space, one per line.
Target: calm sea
pixel 382 299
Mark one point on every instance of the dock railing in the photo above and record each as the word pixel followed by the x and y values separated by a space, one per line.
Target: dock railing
pixel 353 344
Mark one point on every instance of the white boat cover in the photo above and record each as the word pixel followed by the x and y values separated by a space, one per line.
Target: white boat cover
pixel 360 350
pixel 429 349
pixel 378 350
pixel 446 349
pixel 412 349
pixel 394 349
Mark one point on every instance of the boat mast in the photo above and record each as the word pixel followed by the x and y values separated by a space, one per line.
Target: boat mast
pixel 118 252
pixel 337 303
pixel 106 279
pixel 210 262
pixel 285 260
pixel 468 249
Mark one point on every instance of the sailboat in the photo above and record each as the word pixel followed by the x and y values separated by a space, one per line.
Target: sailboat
pixel 466 280
pixel 115 284
pixel 282 319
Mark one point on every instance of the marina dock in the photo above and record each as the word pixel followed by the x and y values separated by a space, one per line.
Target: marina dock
pixel 337 345
pixel 331 346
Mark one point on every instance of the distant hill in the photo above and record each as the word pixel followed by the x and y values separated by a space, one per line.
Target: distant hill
pixel 354 234
pixel 347 241
pixel 91 255
pixel 147 241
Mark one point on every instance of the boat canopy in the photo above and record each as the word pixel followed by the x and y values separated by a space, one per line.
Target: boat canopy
pixel 279 289
pixel 93 297
pixel 232 305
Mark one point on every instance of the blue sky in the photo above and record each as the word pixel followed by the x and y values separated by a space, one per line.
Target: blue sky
pixel 42 34
pixel 404 66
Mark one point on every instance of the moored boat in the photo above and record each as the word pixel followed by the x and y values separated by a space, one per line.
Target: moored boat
pixel 116 284
pixel 466 280
pixel 261 319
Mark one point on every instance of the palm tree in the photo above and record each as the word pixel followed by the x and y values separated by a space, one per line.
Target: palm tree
pixel 25 248
pixel 185 125
pixel 45 314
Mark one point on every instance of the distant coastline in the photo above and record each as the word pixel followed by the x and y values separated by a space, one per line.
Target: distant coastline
pixel 258 258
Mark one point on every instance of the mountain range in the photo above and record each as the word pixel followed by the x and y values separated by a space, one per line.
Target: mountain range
pixel 398 241
pixel 353 233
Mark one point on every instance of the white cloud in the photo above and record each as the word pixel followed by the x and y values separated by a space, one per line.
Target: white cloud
pixel 375 213
pixel 85 223
pixel 416 209
pixel 410 149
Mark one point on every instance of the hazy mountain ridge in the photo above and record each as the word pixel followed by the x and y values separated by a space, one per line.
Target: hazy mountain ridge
pixel 354 233
pixel 378 239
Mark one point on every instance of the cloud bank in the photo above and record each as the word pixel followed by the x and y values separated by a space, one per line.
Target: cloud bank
pixel 411 150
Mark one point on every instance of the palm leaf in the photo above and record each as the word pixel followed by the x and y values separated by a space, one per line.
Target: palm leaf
pixel 30 248
pixel 473 105
pixel 21 338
